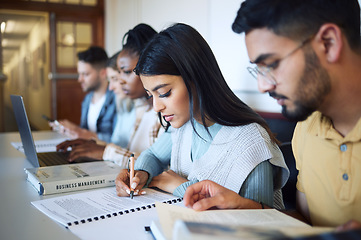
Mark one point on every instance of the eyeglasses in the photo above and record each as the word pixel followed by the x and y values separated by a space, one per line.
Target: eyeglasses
pixel 266 71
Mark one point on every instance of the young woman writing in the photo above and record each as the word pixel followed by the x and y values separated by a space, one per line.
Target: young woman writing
pixel 211 133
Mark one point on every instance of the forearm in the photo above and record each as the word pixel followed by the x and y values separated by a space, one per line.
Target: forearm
pixel 156 158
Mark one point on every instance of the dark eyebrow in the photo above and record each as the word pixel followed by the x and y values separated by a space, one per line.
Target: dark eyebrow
pixel 261 58
pixel 159 86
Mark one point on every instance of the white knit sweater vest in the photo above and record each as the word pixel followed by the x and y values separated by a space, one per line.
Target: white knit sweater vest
pixel 232 155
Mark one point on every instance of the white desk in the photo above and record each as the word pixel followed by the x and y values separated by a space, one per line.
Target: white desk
pixel 18 218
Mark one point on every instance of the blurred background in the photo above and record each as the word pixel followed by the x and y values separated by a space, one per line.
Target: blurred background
pixel 40 38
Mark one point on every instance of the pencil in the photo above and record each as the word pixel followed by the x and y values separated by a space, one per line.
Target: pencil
pixel 131 176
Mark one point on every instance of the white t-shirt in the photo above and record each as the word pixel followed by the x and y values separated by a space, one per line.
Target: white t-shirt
pixel 93 113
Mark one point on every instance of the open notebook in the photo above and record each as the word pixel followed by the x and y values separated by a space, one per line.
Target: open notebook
pixel 101 214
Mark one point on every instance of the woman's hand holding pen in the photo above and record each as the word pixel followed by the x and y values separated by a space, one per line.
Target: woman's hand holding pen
pixel 122 183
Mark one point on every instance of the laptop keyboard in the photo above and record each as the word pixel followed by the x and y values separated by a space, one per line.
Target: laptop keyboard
pixel 53 158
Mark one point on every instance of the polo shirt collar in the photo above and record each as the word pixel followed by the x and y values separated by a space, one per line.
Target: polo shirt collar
pixel 322 127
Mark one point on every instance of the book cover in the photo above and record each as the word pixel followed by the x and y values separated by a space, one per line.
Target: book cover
pixel 72 177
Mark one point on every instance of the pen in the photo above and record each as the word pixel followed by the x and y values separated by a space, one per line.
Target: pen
pixel 131 176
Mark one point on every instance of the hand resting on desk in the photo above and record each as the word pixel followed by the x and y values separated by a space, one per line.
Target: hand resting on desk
pixel 82 150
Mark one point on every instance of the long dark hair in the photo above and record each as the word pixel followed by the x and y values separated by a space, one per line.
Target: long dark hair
pixel 180 50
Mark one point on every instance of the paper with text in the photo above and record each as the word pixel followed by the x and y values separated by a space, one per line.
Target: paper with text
pixel 96 205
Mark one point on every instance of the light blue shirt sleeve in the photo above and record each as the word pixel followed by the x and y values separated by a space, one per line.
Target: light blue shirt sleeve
pixel 259 184
pixel 123 128
pixel 181 189
pixel 156 159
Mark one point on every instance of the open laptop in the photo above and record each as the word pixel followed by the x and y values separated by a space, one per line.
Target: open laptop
pixel 36 159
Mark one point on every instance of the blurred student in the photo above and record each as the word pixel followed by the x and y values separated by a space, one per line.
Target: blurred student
pixel 137 125
pixel 213 134
pixel 98 110
pixel 308 57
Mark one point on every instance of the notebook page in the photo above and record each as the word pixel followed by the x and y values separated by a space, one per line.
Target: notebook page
pixel 48 145
pixel 96 205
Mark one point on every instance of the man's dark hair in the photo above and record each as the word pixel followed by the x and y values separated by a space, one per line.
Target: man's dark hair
pixel 300 19
pixel 96 56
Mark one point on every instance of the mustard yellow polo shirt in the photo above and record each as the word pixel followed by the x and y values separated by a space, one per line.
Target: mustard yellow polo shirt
pixel 329 170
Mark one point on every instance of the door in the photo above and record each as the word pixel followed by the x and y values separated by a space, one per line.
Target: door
pixel 71 35
pixel 74 25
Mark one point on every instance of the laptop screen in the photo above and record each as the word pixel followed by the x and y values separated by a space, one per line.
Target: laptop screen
pixel 24 129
